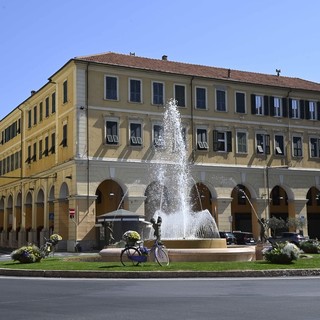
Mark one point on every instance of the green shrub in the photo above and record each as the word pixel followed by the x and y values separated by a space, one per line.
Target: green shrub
pixel 282 253
pixel 310 246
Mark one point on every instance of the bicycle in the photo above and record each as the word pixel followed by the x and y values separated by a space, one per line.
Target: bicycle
pixel 135 254
pixel 49 245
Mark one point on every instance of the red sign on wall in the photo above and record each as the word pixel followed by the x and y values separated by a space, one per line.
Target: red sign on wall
pixel 72 213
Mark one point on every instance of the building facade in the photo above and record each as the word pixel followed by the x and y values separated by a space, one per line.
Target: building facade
pixel 84 145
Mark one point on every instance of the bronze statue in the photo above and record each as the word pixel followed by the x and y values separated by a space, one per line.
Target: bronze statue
pixel 157 228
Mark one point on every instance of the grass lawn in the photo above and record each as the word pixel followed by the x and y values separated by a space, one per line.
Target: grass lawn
pixel 94 263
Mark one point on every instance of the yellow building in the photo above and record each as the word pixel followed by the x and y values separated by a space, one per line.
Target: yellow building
pixel 84 145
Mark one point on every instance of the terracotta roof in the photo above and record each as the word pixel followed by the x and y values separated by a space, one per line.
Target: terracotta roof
pixel 168 66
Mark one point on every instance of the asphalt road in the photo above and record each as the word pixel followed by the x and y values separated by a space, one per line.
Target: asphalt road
pixel 194 299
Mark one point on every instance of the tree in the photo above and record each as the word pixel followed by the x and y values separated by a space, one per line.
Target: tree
pixel 275 224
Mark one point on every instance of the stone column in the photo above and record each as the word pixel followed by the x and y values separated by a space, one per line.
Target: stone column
pixel 224 213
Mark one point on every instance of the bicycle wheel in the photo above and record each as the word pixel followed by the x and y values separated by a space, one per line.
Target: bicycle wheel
pixel 161 256
pixel 129 256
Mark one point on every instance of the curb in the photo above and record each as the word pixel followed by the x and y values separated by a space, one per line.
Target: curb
pixel 159 274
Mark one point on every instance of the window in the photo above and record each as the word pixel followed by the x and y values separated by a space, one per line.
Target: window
pixel 40 111
pixel 221 100
pixel 180 94
pixel 314 147
pixel 263 143
pixel 47 107
pixel 294 108
pixel 53 143
pixel 17 160
pixel 312 110
pixel 278 145
pixel 135 134
pixel 240 102
pixel 40 149
pixel 112 135
pixel 222 141
pixel 34 156
pixel 35 110
pixel 158 138
pixel 53 103
pixel 28 160
pixel 111 88
pixel 157 93
pixel 202 139
pixel 46 146
pixel 29 119
pixel 259 105
pixel 64 141
pixel 276 107
pixel 65 91
pixel 135 90
pixel 242 142
pixel 297 146
pixel 201 98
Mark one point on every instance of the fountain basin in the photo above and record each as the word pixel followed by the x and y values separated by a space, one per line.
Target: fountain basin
pixel 237 253
pixel 190 243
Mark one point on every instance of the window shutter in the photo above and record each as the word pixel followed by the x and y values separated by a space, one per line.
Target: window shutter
pixel 285 107
pixel 272 106
pixel 290 108
pixel 306 109
pixel 215 140
pixel 229 141
pixel 266 105
pixel 302 109
pixel 267 137
pixel 318 111
pixel 253 104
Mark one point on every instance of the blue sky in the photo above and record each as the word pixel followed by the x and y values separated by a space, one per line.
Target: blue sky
pixel 38 37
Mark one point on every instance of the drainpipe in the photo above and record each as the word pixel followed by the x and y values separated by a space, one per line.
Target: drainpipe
pixel 192 126
pixel 87 105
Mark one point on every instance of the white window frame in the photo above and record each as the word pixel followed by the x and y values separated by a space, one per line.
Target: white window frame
pixel 110 139
pixel 225 99
pixel 295 108
pixel 299 136
pixel 312 109
pixel 277 149
pixel 259 100
pixel 196 99
pixel 235 102
pixel 185 94
pixel 135 141
pixel 261 149
pixel 157 142
pixel 237 141
pixel 317 156
pixel 163 93
pixel 277 107
pixel 129 90
pixel 105 87
pixel 202 145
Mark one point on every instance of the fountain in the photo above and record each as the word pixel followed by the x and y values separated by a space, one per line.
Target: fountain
pixel 180 225
pixel 188 235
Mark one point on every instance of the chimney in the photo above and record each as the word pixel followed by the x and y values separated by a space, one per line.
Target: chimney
pixel 164 57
